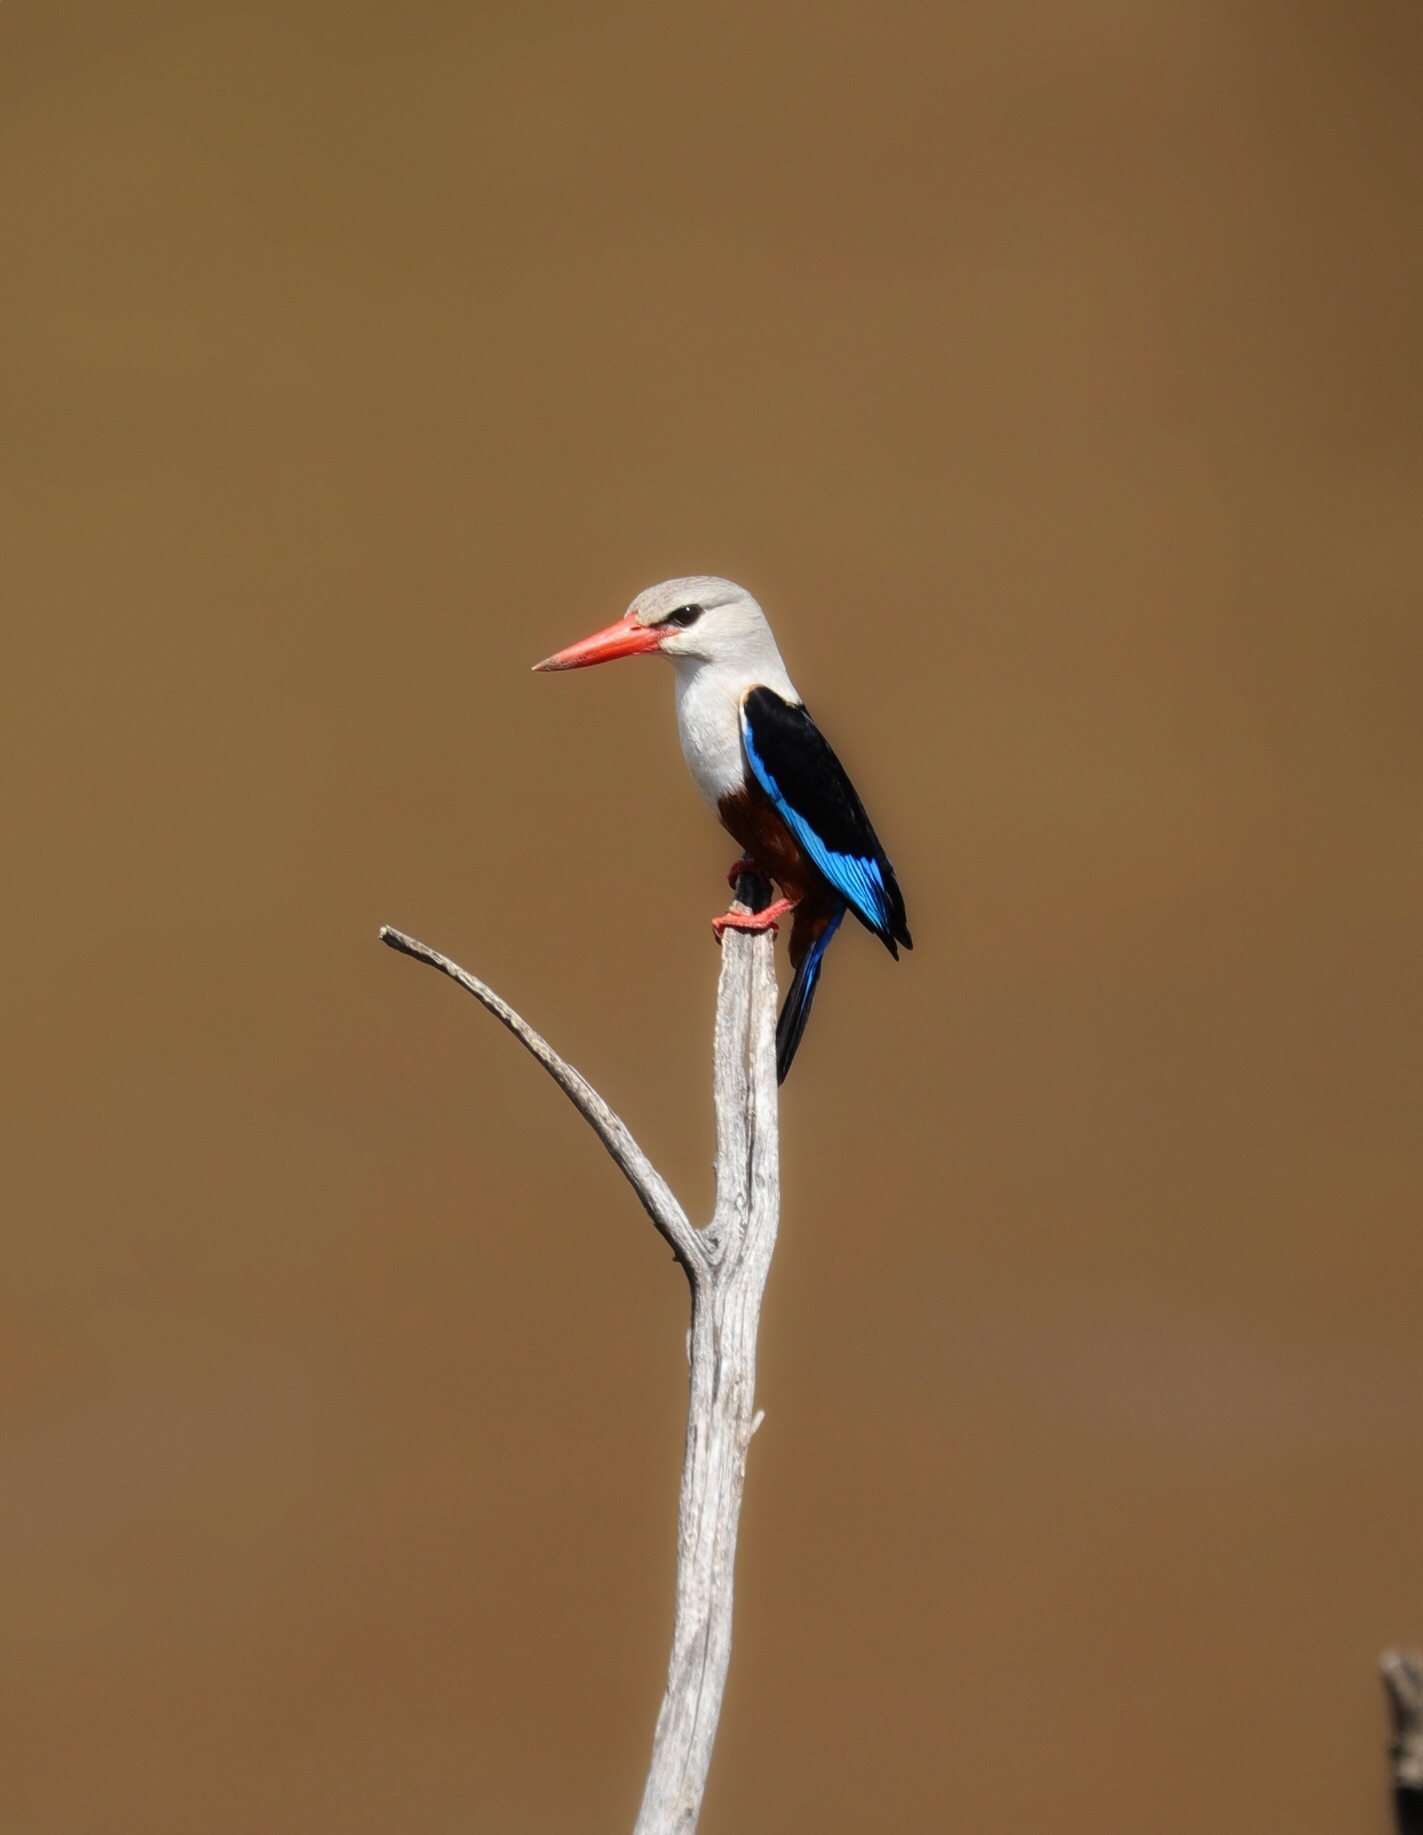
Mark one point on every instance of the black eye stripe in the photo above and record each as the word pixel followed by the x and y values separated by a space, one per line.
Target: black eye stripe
pixel 683 616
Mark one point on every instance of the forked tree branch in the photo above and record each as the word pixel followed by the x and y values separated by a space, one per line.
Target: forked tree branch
pixel 726 1266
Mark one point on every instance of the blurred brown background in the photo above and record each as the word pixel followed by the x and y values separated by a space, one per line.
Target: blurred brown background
pixel 1053 374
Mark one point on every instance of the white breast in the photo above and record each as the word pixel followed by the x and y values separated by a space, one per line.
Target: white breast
pixel 709 725
pixel 709 697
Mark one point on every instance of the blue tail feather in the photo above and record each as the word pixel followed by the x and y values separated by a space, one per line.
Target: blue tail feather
pixel 796 1010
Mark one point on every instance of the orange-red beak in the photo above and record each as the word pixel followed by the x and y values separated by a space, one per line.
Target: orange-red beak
pixel 625 638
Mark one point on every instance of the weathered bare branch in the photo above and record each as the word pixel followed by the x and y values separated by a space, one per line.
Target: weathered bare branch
pixel 727 1265
pixel 649 1184
pixel 721 1417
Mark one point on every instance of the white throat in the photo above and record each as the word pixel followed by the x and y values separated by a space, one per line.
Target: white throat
pixel 709 697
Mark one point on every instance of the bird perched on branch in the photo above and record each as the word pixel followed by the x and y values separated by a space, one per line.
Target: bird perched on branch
pixel 762 763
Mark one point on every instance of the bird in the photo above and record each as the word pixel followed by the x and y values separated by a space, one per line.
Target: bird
pixel 763 764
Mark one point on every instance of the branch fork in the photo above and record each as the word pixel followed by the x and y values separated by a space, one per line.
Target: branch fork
pixel 726 1263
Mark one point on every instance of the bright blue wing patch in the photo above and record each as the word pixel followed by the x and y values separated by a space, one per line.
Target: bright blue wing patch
pixel 857 877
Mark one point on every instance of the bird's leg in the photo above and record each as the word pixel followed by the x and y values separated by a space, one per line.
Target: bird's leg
pixel 745 865
pixel 754 920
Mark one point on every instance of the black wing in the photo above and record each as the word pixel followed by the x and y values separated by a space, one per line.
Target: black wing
pixel 793 763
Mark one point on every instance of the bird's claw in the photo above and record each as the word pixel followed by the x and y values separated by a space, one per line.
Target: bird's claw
pixel 739 920
pixel 754 920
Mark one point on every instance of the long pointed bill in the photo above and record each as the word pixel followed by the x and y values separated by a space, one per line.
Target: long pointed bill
pixel 625 638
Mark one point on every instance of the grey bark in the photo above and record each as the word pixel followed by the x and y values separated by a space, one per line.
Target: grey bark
pixel 1402 1672
pixel 726 1264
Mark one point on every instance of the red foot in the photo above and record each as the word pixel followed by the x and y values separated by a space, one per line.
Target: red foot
pixel 754 920
pixel 745 865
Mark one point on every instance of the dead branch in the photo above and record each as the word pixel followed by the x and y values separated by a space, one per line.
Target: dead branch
pixel 726 1264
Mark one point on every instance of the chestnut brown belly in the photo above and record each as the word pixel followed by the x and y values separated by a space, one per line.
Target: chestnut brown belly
pixel 750 817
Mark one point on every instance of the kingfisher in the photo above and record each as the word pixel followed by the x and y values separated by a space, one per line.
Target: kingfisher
pixel 765 767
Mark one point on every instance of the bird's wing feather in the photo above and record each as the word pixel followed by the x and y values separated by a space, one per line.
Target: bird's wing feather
pixel 793 763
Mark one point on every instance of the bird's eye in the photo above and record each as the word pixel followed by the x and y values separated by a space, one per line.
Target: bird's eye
pixel 683 616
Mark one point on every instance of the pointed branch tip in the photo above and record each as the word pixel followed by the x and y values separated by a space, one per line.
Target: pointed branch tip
pixel 652 1189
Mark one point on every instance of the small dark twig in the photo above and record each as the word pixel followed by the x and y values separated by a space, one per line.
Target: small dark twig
pixel 1402 1672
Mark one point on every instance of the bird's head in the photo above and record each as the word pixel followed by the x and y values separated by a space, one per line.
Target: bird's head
pixel 700 619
